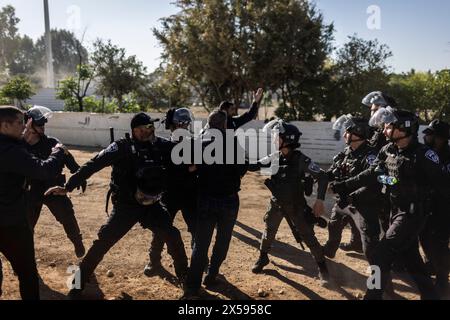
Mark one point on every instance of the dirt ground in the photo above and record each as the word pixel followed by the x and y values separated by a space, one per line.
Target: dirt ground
pixel 292 274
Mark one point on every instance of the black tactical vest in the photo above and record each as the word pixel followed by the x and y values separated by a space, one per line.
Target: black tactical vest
pixel 402 166
pixel 350 163
pixel 287 182
pixel 144 167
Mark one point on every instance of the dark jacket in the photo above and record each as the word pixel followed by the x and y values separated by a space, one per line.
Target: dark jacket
pixel 238 121
pixel 17 165
pixel 42 150
pixel 221 179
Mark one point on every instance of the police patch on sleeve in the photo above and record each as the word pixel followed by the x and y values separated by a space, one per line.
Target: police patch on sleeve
pixel 448 168
pixel 111 149
pixel 431 155
pixel 314 167
pixel 371 159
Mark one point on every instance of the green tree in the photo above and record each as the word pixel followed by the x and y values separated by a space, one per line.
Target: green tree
pixel 117 75
pixel 412 92
pixel 18 89
pixel 66 49
pixel 360 67
pixel 226 49
pixel 24 60
pixel 4 100
pixel 439 93
pixel 294 44
pixel 165 88
pixel 8 37
pixel 74 89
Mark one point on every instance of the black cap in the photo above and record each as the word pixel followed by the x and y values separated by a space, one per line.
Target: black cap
pixel 438 128
pixel 142 119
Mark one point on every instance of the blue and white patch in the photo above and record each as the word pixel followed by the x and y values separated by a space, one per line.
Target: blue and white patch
pixel 111 149
pixel 314 167
pixel 371 159
pixel 431 155
pixel 448 168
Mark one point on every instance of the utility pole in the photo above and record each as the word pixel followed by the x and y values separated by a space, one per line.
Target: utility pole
pixel 48 48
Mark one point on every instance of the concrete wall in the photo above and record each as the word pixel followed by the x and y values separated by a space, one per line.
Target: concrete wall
pixel 92 130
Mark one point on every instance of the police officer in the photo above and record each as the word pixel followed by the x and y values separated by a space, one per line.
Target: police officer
pixel 435 237
pixel 181 194
pixel 17 165
pixel 137 182
pixel 288 199
pixel 41 147
pixel 365 202
pixel 376 100
pixel 408 171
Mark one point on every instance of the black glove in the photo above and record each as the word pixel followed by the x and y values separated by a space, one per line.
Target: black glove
pixel 83 187
pixel 339 188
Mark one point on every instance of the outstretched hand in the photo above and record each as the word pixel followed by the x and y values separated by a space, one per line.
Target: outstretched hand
pixel 258 95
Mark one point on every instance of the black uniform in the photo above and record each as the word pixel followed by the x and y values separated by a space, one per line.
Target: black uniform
pixel 378 141
pixel 131 160
pixel 288 201
pixel 435 237
pixel 365 201
pixel 417 171
pixel 16 238
pixel 60 206
pixel 181 195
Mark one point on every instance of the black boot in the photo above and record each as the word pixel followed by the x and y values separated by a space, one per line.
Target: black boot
pixel 442 287
pixel 80 250
pixel 210 280
pixel 324 275
pixel 211 277
pixel 351 246
pixel 261 263
pixel 153 268
pixel 328 251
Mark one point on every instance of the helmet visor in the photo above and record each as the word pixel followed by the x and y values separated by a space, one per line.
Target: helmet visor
pixel 374 98
pixel 40 115
pixel 343 122
pixel 274 125
pixel 383 116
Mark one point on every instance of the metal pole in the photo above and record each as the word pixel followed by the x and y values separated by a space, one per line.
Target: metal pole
pixel 48 47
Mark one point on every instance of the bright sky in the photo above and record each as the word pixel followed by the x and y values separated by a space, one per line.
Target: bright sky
pixel 417 31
